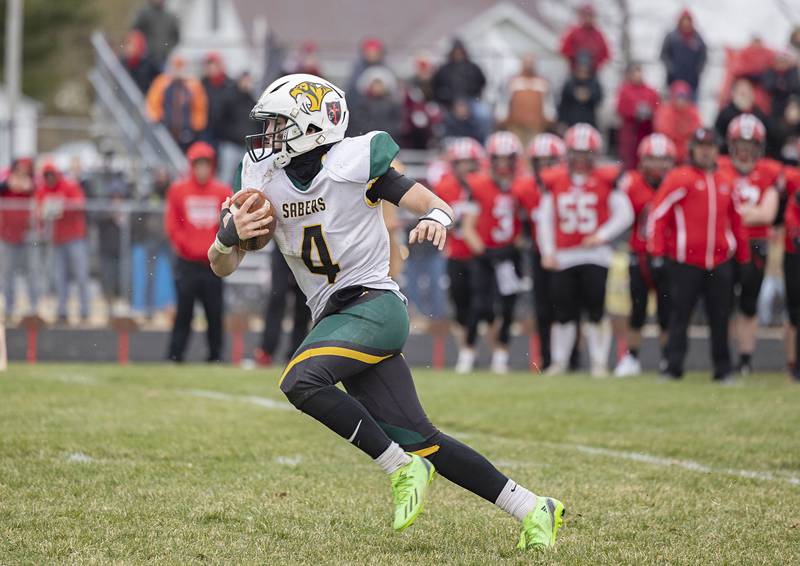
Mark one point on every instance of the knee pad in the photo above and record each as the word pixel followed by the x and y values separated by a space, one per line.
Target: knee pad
pixel 300 384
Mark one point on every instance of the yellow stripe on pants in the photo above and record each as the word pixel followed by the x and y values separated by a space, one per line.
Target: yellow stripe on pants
pixel 333 351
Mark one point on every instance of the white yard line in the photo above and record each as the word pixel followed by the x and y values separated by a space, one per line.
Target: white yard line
pixel 262 402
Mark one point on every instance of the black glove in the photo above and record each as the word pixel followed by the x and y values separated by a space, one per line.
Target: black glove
pixel 226 234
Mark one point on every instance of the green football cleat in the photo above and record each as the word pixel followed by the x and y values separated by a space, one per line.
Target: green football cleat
pixel 541 525
pixel 409 485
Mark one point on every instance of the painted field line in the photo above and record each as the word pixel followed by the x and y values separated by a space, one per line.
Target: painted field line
pixel 262 402
pixel 689 465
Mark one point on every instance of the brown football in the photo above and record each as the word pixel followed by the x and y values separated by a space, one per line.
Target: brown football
pixel 253 244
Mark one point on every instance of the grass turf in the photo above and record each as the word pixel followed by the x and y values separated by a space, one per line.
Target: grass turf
pixel 102 464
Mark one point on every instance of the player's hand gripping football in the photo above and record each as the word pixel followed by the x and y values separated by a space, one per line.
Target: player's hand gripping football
pixel 250 224
pixel 429 230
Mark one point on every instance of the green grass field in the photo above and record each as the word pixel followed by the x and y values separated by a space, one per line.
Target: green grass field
pixel 101 464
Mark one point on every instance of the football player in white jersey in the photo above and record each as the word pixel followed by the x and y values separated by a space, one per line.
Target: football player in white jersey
pixel 326 191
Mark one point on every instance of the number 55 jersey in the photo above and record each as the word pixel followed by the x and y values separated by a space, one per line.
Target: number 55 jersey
pixel 574 207
pixel 331 232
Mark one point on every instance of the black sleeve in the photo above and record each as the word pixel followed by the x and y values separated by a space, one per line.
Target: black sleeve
pixel 391 186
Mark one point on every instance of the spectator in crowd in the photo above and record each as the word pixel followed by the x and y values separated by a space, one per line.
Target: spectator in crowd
pixel 236 121
pixel 137 60
pixel 743 101
pixel 460 78
pixel 191 220
pixel 283 284
pixel 372 53
pixel 491 229
pixel 421 115
pixel 303 60
pixel 580 96
pixel 678 118
pixel 161 29
pixel 785 134
pixel 219 91
pixel 461 122
pixel 61 202
pixel 794 42
pixel 377 106
pixel 152 286
pixel 530 102
pixel 580 214
pixel 585 42
pixel 700 232
pixel 781 81
pixel 18 234
pixel 178 100
pixel 684 53
pixel 636 106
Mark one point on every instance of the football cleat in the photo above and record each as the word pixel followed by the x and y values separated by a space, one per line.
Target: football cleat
pixel 466 361
pixel 540 526
pixel 499 362
pixel 409 486
pixel 628 366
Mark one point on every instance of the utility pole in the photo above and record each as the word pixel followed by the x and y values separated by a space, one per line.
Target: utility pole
pixel 13 52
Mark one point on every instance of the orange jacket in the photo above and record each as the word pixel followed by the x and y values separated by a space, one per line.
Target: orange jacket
pixel 199 101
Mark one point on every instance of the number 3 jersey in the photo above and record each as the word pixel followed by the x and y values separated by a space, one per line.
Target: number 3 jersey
pixel 574 207
pixel 498 220
pixel 331 234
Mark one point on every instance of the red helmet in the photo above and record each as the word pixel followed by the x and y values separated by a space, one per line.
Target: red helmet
pixel 583 137
pixel 462 149
pixel 747 127
pixel 503 144
pixel 546 146
pixel 657 145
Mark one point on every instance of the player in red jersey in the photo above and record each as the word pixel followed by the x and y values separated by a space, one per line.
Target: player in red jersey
pixel 756 198
pixel 496 272
pixel 791 262
pixel 695 225
pixel 464 156
pixel 579 214
pixel 544 151
pixel 657 154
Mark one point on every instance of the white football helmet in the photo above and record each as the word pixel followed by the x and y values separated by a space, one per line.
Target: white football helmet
pixel 299 112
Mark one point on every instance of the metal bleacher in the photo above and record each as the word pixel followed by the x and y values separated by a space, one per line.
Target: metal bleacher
pixel 121 101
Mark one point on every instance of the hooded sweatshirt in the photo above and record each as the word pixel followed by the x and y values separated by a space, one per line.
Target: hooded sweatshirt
pixel 62 203
pixel 191 218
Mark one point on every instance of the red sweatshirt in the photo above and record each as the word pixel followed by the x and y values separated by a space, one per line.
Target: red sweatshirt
pixel 641 195
pixel 458 195
pixel 191 218
pixel 751 188
pixel 695 208
pixel 63 204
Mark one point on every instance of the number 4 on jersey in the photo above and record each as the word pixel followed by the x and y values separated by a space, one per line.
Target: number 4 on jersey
pixel 313 237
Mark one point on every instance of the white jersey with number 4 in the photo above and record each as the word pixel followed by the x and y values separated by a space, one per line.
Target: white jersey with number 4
pixel 331 234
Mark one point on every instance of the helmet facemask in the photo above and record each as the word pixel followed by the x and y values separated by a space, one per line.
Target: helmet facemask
pixel 654 168
pixel 745 154
pixel 277 131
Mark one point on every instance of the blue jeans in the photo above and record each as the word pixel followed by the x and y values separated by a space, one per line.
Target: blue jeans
pixel 424 273
pixel 72 264
pixel 21 260
pixel 152 285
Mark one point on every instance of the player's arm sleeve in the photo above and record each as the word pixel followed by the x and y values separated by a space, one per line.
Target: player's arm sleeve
pixel 391 187
pixel 620 219
pixel 545 225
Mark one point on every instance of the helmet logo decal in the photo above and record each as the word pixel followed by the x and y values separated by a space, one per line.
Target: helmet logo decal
pixel 314 93
pixel 334 110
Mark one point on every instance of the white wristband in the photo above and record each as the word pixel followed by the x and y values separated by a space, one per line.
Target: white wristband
pixel 222 248
pixel 440 216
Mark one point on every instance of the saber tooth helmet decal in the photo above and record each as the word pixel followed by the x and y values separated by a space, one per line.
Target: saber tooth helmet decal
pixel 299 112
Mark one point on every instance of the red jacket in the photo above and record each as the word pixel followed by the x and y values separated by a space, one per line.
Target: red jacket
pixel 15 213
pixel 636 105
pixel 678 125
pixel 750 189
pixel 63 204
pixel 498 218
pixel 792 218
pixel 191 217
pixel 585 39
pixel 459 196
pixel 579 210
pixel 641 195
pixel 695 208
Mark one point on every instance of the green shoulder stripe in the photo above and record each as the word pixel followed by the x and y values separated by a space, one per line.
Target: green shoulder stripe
pixel 236 183
pixel 382 151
